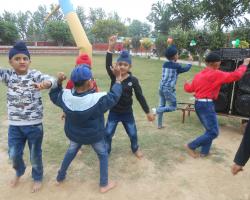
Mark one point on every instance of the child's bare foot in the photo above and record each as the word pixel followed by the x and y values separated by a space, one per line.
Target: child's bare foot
pixel 79 152
pixel 58 183
pixel 14 182
pixel 37 185
pixel 108 187
pixel 161 127
pixel 139 154
pixel 202 155
pixel 191 152
pixel 236 168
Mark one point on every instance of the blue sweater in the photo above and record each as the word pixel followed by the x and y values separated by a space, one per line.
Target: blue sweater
pixel 84 121
pixel 170 72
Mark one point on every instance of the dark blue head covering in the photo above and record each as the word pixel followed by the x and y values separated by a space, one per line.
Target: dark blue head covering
pixel 124 57
pixel 19 47
pixel 81 73
pixel 171 51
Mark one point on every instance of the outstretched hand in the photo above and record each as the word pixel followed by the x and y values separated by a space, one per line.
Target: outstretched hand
pixel 246 61
pixel 46 84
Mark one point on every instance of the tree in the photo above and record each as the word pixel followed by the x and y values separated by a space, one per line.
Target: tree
pixel 162 17
pixel 136 43
pixel 57 16
pixel 224 13
pixel 137 28
pixel 22 23
pixel 114 16
pixel 9 17
pixel 105 28
pixel 59 32
pixel 147 44
pixel 95 14
pixel 81 15
pixel 186 13
pixel 161 45
pixel 242 33
pixel 8 32
pixel 180 37
pixel 36 29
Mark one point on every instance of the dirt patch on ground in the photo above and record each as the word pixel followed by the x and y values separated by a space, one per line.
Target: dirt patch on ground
pixel 190 179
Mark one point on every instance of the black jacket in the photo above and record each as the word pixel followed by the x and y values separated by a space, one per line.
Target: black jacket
pixel 131 83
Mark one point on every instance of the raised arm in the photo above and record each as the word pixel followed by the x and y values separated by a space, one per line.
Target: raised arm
pixel 43 81
pixel 56 93
pixel 184 69
pixel 111 47
pixel 227 77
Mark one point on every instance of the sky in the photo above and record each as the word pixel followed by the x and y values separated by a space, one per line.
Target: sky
pixel 134 9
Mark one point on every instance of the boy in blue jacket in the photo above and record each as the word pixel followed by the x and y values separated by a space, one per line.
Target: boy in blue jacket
pixel 84 120
pixel 170 72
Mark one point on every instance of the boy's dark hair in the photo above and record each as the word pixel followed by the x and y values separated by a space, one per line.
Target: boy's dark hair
pixel 80 83
pixel 171 52
pixel 213 57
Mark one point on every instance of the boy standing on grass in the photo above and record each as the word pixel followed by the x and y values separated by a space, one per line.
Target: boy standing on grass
pixel 84 119
pixel 170 71
pixel 206 86
pixel 25 112
pixel 122 111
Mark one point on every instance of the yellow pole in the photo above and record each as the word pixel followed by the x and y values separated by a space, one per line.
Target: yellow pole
pixel 79 34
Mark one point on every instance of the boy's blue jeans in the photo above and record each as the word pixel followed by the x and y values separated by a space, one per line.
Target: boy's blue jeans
pixel 101 150
pixel 167 96
pixel 207 115
pixel 17 137
pixel 128 122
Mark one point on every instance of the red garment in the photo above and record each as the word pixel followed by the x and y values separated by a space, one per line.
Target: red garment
pixel 70 85
pixel 84 59
pixel 207 83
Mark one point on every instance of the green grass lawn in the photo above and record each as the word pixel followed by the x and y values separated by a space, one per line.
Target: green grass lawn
pixel 162 147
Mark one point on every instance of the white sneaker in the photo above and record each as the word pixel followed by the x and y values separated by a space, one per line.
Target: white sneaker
pixel 154 111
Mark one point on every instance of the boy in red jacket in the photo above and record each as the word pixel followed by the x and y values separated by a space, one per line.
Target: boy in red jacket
pixel 206 86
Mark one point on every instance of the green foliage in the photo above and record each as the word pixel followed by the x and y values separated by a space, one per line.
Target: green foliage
pixel 22 23
pixel 136 43
pixel 186 13
pixel 137 28
pixel 147 44
pixel 161 17
pixel 161 44
pixel 217 40
pixel 59 32
pixel 104 28
pixel 8 32
pixel 224 13
pixel 180 37
pixel 95 14
pixel 82 16
pixel 243 33
pixel 244 44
